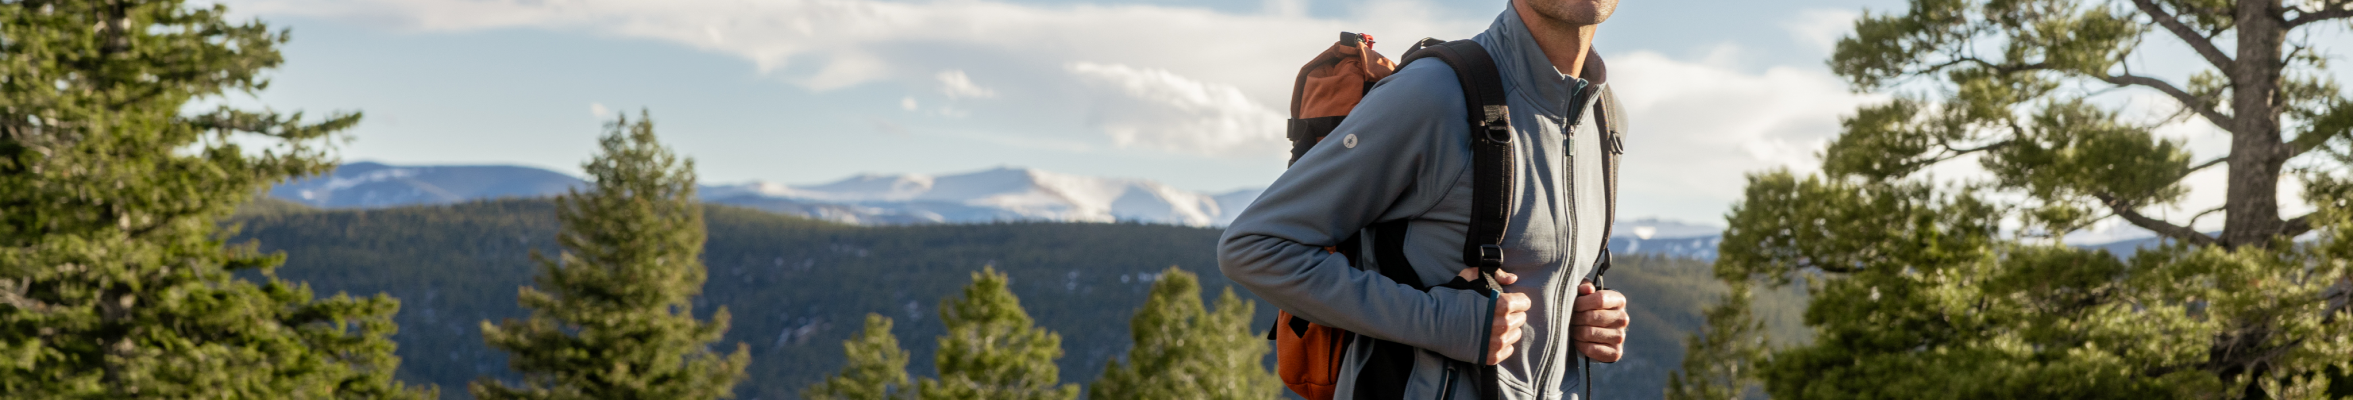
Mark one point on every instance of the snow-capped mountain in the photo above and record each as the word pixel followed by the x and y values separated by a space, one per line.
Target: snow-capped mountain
pixel 375 185
pixel 1002 194
pixel 1649 228
pixel 1653 235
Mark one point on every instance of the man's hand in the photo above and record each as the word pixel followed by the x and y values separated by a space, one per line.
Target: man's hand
pixel 1599 325
pixel 1511 311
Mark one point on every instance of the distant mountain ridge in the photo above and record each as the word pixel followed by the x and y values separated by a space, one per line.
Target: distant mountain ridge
pixel 1004 194
pixel 995 195
pixel 376 185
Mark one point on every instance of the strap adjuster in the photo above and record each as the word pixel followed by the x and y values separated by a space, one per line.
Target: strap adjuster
pixel 1497 120
pixel 1490 256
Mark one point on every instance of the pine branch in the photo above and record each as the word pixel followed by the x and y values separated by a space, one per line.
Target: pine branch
pixel 2297 226
pixel 2339 298
pixel 2203 43
pixel 2207 164
pixel 2319 133
pixel 2166 229
pixel 2312 17
pixel 2187 100
pixel 12 294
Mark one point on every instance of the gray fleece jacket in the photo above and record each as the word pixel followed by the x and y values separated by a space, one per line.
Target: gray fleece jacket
pixel 1404 153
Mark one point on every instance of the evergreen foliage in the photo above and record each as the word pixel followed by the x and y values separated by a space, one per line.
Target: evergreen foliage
pixel 1929 288
pixel 1718 364
pixel 611 316
pixel 992 351
pixel 877 369
pixel 800 287
pixel 114 278
pixel 1184 351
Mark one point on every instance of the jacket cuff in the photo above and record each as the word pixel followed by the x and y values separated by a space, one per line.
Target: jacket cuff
pixel 1469 316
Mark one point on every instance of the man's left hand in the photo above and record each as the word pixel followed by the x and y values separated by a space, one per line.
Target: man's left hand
pixel 1599 324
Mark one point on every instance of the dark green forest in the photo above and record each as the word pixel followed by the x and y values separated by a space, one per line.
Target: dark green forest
pixel 798 287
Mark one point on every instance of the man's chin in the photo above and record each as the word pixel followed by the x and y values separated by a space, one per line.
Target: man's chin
pixel 1575 12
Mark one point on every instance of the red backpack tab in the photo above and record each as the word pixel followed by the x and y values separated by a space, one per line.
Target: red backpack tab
pixel 1330 85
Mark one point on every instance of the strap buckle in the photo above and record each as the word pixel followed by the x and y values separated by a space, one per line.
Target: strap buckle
pixel 1497 120
pixel 1490 257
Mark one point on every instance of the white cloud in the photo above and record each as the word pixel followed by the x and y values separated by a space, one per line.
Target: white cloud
pixel 825 45
pixel 1173 79
pixel 957 85
pixel 1821 28
pixel 599 110
pixel 1697 127
pixel 1160 109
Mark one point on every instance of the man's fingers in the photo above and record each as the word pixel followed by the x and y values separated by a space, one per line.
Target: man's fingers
pixel 1602 353
pixel 1513 302
pixel 1508 325
pixel 1587 334
pixel 1601 300
pixel 1511 311
pixel 1500 353
pixel 1612 319
pixel 1501 277
pixel 1506 340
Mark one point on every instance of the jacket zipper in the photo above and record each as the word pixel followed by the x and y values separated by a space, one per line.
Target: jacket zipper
pixel 1446 389
pixel 1544 370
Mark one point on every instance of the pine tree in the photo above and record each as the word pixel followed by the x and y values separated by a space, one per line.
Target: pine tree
pixel 1961 286
pixel 877 368
pixel 1183 351
pixel 992 351
pixel 114 279
pixel 1719 363
pixel 612 315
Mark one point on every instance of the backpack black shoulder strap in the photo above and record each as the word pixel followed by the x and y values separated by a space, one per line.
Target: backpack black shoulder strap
pixel 1491 169
pixel 1491 150
pixel 1610 119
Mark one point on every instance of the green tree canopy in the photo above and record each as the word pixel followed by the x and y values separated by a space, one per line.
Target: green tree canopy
pixel 1718 362
pixel 113 280
pixel 992 350
pixel 1959 286
pixel 1185 351
pixel 877 369
pixel 612 316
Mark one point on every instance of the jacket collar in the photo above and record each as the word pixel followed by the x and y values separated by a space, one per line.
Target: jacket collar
pixel 1526 70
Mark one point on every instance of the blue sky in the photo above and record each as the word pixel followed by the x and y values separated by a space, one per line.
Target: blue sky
pixel 1185 92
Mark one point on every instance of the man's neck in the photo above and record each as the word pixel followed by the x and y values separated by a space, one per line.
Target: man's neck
pixel 1565 45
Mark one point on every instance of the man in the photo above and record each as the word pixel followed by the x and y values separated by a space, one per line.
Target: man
pixel 1404 154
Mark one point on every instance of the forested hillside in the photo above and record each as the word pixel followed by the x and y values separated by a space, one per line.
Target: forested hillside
pixel 798 287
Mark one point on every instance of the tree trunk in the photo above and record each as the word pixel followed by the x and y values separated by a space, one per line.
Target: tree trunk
pixel 2251 208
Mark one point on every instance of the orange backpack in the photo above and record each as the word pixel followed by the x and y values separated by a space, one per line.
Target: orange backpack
pixel 1308 359
pixel 1308 355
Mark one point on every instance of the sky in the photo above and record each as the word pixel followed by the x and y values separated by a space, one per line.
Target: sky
pixel 1185 92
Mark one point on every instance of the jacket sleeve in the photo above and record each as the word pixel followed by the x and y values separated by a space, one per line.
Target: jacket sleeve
pixel 1381 163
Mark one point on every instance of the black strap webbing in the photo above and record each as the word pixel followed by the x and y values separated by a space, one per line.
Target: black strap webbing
pixel 1491 150
pixel 1608 123
pixel 1491 171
